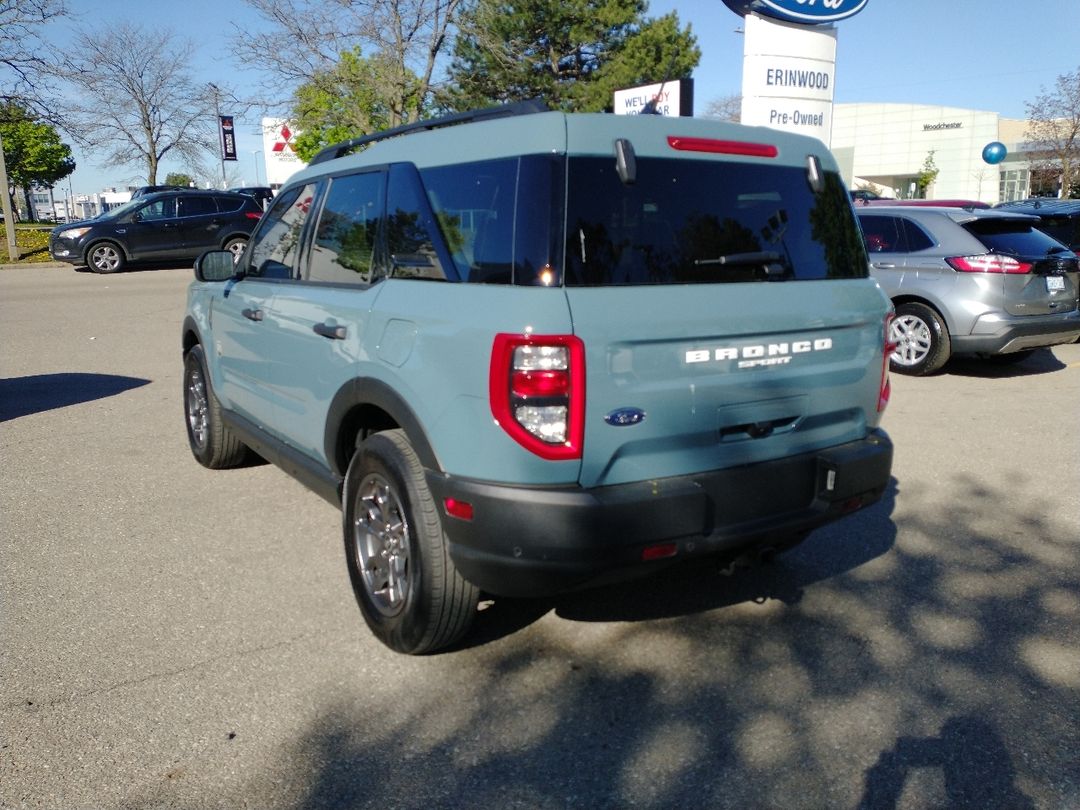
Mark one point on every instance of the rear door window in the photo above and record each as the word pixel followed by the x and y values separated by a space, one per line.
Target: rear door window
pixel 344 245
pixel 197 206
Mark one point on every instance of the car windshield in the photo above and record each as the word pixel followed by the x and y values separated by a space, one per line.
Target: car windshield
pixel 126 208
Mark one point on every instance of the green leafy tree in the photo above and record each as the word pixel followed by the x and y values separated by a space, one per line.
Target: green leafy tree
pixel 573 54
pixel 928 175
pixel 33 152
pixel 346 101
pixel 179 179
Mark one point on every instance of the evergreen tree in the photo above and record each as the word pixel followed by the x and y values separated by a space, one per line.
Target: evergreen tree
pixel 573 54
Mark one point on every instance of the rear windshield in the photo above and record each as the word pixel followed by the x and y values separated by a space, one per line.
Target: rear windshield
pixel 681 222
pixel 1014 238
pixel 687 222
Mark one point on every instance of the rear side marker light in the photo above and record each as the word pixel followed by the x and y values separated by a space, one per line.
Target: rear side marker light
pixel 718 147
pixel 989 263
pixel 463 510
pixel 885 391
pixel 252 215
pixel 661 551
pixel 537 392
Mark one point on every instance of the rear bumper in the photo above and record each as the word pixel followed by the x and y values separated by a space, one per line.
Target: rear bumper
pixel 540 541
pixel 1000 334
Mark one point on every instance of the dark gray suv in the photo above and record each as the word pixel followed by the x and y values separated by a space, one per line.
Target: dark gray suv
pixel 970 281
pixel 159 226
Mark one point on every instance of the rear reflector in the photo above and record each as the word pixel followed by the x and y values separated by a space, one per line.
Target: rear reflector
pixel 988 263
pixel 722 147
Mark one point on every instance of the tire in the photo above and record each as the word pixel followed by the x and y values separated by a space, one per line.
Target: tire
pixel 235 246
pixel 105 257
pixel 410 594
pixel 921 338
pixel 213 445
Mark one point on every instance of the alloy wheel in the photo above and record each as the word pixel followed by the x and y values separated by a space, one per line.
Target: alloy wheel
pixel 197 408
pixel 913 340
pixel 381 540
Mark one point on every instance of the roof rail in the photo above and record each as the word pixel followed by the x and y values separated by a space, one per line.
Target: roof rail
pixel 337 150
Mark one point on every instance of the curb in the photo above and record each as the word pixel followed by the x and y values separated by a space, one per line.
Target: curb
pixel 43 265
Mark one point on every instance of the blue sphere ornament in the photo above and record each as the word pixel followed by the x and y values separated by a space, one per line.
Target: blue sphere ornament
pixel 994 152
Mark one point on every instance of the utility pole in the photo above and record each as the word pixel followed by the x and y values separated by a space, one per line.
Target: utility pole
pixel 217 128
pixel 5 206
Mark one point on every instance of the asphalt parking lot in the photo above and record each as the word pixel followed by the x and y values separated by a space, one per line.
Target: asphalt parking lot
pixel 176 637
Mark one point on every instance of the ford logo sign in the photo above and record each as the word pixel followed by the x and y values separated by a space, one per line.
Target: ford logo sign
pixel 806 12
pixel 625 416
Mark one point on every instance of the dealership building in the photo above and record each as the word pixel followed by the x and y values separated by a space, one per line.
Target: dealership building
pixel 883 147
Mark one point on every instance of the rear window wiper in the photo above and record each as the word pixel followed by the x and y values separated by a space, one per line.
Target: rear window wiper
pixel 770 260
pixel 755 257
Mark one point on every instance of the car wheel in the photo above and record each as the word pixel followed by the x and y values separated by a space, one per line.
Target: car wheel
pixel 410 594
pixel 105 257
pixel 236 247
pixel 921 338
pixel 212 444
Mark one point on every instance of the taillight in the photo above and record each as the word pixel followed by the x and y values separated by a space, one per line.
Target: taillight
pixel 885 391
pixel 719 147
pixel 988 263
pixel 537 392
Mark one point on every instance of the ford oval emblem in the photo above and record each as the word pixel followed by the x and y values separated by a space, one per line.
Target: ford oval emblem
pixel 807 12
pixel 625 416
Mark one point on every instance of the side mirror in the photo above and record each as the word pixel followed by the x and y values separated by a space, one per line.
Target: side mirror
pixel 215 265
pixel 136 217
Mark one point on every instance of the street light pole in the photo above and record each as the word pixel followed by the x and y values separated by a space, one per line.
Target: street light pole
pixel 255 152
pixel 217 128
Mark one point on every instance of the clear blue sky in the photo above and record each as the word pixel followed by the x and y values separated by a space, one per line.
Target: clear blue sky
pixel 980 54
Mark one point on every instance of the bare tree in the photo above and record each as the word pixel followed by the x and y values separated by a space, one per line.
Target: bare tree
pixel 726 108
pixel 25 64
pixel 1054 128
pixel 136 100
pixel 308 37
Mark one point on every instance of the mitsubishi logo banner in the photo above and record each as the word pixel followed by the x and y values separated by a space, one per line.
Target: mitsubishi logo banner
pixel 228 138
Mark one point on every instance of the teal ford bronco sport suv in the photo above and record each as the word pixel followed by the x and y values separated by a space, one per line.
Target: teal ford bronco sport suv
pixel 530 351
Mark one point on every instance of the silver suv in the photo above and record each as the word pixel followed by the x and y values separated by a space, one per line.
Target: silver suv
pixel 964 281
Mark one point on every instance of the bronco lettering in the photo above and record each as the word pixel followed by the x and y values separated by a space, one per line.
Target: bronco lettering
pixel 779 352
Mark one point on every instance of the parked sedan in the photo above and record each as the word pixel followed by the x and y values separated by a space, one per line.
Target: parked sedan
pixel 970 281
pixel 159 226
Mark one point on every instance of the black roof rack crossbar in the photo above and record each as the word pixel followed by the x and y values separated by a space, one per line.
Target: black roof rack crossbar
pixel 337 150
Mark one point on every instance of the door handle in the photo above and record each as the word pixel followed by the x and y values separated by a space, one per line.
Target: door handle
pixel 885 265
pixel 252 314
pixel 332 331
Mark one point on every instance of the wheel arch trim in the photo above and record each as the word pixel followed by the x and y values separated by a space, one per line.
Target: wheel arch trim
pixel 368 391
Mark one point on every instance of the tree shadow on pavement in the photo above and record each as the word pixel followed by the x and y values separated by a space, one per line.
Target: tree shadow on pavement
pixel 21 396
pixel 935 674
